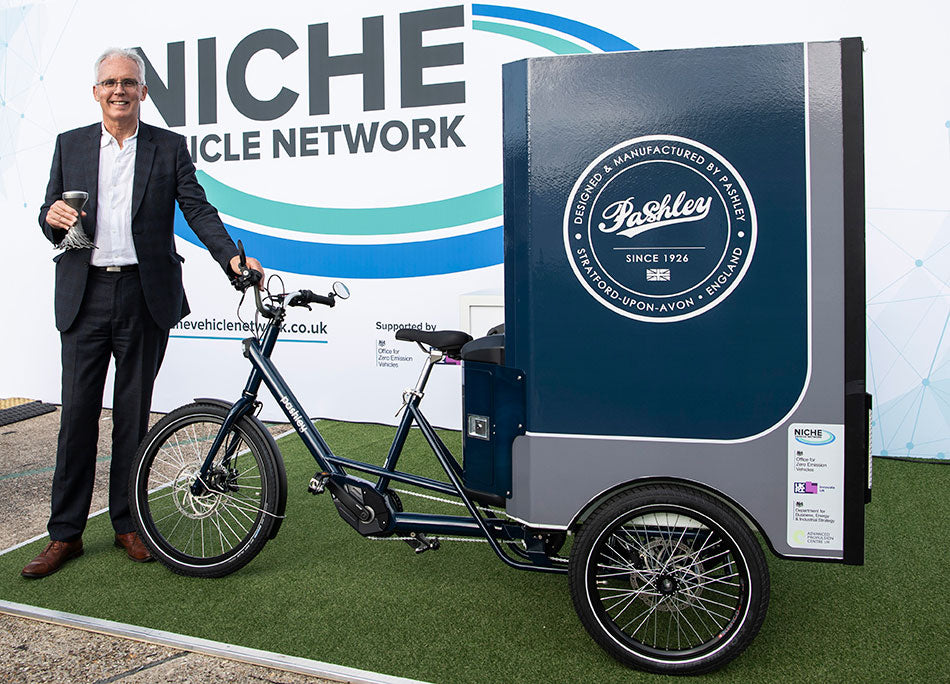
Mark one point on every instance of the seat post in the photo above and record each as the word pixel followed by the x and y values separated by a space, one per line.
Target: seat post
pixel 437 344
pixel 435 356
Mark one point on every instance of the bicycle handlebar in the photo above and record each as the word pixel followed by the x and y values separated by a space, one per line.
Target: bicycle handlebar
pixel 249 277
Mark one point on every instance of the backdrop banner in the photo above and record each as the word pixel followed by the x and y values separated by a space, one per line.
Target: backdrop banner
pixel 362 142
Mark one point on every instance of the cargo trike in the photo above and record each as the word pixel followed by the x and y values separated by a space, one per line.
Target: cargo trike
pixel 664 577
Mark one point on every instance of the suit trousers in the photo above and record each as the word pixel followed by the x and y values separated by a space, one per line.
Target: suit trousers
pixel 113 321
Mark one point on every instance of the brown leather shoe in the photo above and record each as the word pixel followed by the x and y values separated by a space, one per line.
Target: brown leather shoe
pixel 53 557
pixel 134 547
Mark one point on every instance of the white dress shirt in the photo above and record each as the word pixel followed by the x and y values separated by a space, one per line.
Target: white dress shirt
pixel 114 204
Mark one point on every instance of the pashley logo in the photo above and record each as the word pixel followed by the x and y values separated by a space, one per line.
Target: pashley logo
pixel 660 228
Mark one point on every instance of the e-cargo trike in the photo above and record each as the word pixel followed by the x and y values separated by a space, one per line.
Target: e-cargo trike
pixel 664 577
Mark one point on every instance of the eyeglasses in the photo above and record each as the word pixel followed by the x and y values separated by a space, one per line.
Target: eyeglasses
pixel 127 83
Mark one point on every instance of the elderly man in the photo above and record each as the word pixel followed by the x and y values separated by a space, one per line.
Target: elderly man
pixel 119 299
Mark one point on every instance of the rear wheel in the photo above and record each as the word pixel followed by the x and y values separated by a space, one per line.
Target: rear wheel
pixel 669 580
pixel 225 523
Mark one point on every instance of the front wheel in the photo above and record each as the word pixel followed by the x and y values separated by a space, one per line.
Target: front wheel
pixel 669 580
pixel 221 526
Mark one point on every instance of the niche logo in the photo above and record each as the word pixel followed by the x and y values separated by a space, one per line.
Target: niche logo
pixel 660 228
pixel 814 436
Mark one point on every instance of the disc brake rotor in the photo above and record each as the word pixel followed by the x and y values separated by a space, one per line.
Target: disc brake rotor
pixel 190 505
pixel 661 580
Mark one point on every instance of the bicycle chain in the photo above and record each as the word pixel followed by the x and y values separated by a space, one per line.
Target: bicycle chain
pixel 460 539
pixel 449 501
pixel 442 539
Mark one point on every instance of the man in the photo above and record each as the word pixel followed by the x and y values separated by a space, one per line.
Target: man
pixel 119 299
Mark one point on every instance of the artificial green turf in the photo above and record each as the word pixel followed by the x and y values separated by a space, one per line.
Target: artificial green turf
pixel 459 615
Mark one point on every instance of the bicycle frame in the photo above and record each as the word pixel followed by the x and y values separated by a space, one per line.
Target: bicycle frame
pixel 475 525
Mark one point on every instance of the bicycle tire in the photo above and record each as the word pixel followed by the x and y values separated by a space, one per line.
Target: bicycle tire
pixel 669 580
pixel 222 529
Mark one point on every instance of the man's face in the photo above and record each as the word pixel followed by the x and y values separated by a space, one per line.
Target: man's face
pixel 119 104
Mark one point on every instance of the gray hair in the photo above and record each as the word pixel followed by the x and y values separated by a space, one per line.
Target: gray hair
pixel 126 53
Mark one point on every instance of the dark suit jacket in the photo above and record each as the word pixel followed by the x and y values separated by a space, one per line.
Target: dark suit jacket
pixel 163 175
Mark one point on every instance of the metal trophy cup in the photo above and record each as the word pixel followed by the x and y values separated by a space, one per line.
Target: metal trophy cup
pixel 76 237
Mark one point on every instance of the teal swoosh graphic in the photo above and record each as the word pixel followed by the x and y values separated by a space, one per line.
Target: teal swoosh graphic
pixel 558 46
pixel 451 254
pixel 411 218
pixel 599 38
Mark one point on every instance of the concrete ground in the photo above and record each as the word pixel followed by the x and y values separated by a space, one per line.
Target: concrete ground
pixel 32 651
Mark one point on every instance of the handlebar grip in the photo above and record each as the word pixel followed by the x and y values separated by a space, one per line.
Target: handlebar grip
pixel 305 297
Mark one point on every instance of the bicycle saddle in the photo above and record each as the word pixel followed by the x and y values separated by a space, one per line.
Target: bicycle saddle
pixel 448 341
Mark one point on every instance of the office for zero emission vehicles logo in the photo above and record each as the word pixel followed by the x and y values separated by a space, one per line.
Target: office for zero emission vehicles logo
pixel 660 228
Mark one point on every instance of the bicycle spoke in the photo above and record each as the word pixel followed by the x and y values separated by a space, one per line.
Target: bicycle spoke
pixel 706 587
pixel 237 522
pixel 649 611
pixel 628 600
pixel 627 590
pixel 616 557
pixel 620 572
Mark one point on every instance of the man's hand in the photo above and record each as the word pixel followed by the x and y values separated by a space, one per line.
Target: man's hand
pixel 252 264
pixel 62 216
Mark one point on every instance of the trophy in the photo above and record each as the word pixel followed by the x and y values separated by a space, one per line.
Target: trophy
pixel 76 238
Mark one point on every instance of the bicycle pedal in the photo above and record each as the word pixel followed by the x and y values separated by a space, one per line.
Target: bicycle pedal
pixel 318 483
pixel 421 543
